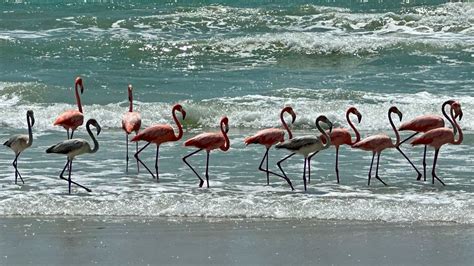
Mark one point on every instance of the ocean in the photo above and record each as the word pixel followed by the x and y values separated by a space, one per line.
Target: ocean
pixel 247 61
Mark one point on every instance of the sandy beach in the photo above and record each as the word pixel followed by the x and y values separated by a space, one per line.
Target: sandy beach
pixel 169 241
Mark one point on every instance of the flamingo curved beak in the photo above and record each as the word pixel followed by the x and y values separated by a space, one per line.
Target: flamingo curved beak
pixel 99 129
pixel 359 116
pixel 293 117
pixel 183 113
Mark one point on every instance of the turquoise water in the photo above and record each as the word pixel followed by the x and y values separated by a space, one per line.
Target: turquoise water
pixel 245 61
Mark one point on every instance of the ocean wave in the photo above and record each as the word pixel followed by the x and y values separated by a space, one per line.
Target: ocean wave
pixel 248 111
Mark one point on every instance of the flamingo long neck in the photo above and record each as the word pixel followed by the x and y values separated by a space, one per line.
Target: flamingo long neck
pixel 130 96
pixel 178 124
pixel 283 122
pixel 460 138
pixel 96 143
pixel 353 128
pixel 455 130
pixel 30 131
pixel 226 138
pixel 397 142
pixel 326 135
pixel 78 98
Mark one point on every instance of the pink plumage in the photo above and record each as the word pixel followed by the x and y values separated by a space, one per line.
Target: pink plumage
pixel 157 134
pixel 267 137
pixel 375 143
pixel 72 119
pixel 423 123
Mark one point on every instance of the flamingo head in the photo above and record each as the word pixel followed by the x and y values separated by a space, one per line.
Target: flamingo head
pixel 30 114
pixel 456 108
pixel 180 109
pixel 289 110
pixel 354 110
pixel 324 119
pixel 394 109
pixel 225 124
pixel 94 123
pixel 78 82
pixel 130 89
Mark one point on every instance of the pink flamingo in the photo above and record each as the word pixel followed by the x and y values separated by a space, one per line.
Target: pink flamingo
pixel 377 143
pixel 131 121
pixel 72 119
pixel 340 136
pixel 439 136
pixel 209 141
pixel 422 124
pixel 271 136
pixel 159 134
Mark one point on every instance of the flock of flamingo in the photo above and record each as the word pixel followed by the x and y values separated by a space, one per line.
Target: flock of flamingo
pixel 432 127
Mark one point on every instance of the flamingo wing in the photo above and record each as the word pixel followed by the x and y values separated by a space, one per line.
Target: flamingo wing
pixel 208 141
pixel 267 136
pixel 440 135
pixel 67 146
pixel 423 123
pixel 72 118
pixel 298 143
pixel 131 121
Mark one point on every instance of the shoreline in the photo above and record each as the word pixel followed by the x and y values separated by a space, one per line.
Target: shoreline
pixel 106 240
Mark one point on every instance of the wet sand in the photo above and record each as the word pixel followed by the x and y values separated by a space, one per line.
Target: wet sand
pixel 164 241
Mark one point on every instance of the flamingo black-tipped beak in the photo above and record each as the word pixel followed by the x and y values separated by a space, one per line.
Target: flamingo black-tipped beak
pixel 293 117
pixel 460 116
pixel 32 120
pixel 99 129
pixel 183 113
pixel 359 117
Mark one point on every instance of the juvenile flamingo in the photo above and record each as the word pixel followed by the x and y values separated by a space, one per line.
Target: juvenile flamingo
pixel 131 121
pixel 341 136
pixel 422 124
pixel 19 143
pixel 271 136
pixel 439 136
pixel 209 141
pixel 377 143
pixel 75 147
pixel 72 119
pixel 305 145
pixel 159 134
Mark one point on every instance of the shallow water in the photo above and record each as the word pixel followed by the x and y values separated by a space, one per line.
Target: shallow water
pixel 247 62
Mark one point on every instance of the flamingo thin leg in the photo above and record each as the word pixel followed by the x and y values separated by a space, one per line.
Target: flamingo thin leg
pixel 377 170
pixel 283 172
pixel 67 132
pixel 337 164
pixel 207 169
pixel 126 157
pixel 405 140
pixel 309 165
pixel 72 133
pixel 271 172
pixel 304 173
pixel 370 170
pixel 406 157
pixel 140 161
pixel 156 162
pixel 17 173
pixel 201 181
pixel 72 182
pixel 433 172
pixel 265 170
pixel 138 165
pixel 69 176
pixel 424 165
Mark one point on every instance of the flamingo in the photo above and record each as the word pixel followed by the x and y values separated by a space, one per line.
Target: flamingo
pixel 305 145
pixel 72 119
pixel 159 134
pixel 209 141
pixel 74 147
pixel 422 124
pixel 439 136
pixel 19 143
pixel 269 137
pixel 378 143
pixel 341 136
pixel 131 121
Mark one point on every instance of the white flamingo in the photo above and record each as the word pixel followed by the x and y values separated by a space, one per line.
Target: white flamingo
pixel 75 147
pixel 306 145
pixel 19 143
